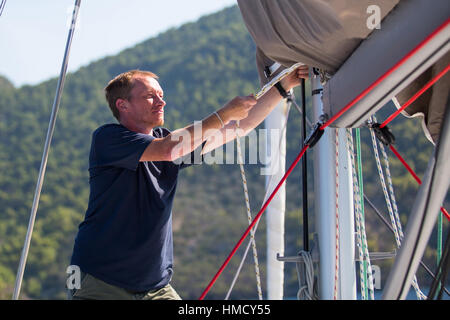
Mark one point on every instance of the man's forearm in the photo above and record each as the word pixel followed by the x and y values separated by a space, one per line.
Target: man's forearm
pixel 257 114
pixel 261 110
pixel 186 140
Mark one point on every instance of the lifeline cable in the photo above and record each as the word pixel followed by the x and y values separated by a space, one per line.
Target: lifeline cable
pixel 59 89
pixel 2 6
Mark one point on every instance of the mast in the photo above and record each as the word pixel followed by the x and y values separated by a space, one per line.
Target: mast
pixel 325 208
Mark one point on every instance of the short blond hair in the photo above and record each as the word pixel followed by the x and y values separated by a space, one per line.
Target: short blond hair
pixel 120 88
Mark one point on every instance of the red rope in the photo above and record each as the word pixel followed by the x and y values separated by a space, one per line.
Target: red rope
pixel 416 96
pixel 411 171
pixel 384 76
pixel 261 211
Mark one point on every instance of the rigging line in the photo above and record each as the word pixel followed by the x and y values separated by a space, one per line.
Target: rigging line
pixel 59 89
pixel 249 215
pixel 365 265
pixel 244 256
pixel 304 173
pixel 442 270
pixel 411 171
pixel 305 121
pixel 356 195
pixel 386 223
pixel 416 96
pixel 398 234
pixel 261 211
pixel 439 241
pixel 386 74
pixel 2 6
pixel 390 186
pixel 300 110
pixel 306 292
pixel 336 262
pixel 361 192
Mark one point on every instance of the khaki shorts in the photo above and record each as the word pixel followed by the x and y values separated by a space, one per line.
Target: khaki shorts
pixel 92 288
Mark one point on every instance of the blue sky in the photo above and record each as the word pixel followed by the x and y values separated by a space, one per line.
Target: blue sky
pixel 33 34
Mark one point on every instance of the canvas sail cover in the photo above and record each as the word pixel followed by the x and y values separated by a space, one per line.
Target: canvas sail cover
pixel 326 34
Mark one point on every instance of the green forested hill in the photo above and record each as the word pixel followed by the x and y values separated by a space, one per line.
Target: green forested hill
pixel 201 66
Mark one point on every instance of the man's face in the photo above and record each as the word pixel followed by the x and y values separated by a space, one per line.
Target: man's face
pixel 146 104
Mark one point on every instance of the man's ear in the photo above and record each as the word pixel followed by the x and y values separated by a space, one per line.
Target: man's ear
pixel 121 104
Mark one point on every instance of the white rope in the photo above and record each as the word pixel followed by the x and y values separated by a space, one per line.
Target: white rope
pixel 336 265
pixel 238 271
pixel 395 220
pixel 306 292
pixel 277 79
pixel 249 215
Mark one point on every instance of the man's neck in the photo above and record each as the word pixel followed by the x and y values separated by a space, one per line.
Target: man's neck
pixel 137 128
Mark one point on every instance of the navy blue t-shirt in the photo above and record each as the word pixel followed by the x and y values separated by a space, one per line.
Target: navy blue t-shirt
pixel 126 236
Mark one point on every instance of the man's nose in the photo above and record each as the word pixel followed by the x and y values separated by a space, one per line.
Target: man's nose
pixel 160 101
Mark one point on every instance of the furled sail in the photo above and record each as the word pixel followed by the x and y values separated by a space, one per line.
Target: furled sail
pixel 339 38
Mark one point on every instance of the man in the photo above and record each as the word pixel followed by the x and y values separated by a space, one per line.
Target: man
pixel 124 245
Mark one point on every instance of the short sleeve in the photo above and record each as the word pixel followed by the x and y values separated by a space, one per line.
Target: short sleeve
pixel 115 145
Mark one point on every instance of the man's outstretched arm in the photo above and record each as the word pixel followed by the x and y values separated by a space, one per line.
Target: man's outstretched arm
pixel 257 113
pixel 183 141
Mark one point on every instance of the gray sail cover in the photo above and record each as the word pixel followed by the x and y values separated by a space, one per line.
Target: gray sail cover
pixel 326 33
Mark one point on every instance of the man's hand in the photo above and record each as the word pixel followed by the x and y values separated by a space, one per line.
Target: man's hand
pixel 237 108
pixel 294 78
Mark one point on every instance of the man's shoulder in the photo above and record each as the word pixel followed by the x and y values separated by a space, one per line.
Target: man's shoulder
pixel 109 127
pixel 109 130
pixel 114 130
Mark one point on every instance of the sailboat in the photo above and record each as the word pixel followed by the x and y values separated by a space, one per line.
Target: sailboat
pixel 363 55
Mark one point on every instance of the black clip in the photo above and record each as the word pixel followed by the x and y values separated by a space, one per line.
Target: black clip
pixel 383 134
pixel 267 72
pixel 316 91
pixel 314 136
